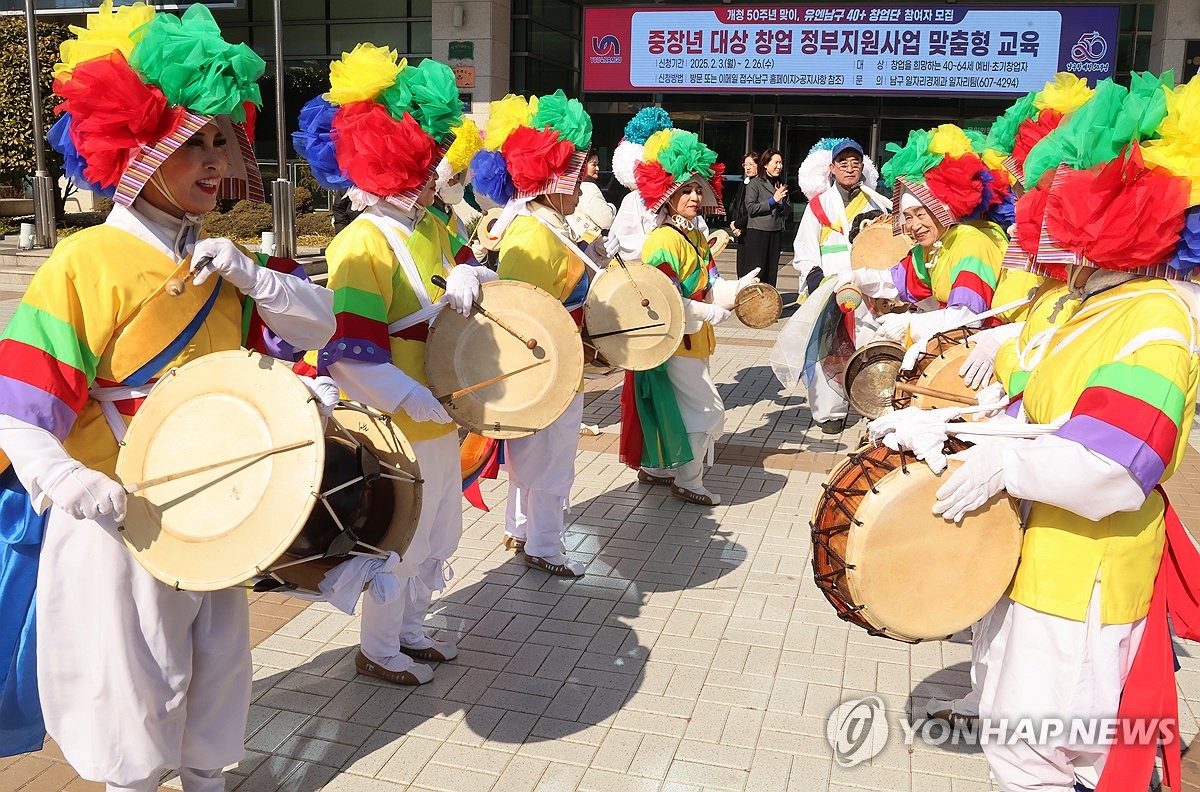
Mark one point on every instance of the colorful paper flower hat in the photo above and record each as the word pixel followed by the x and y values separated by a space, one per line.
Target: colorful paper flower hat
pixel 1033 117
pixel 531 147
pixel 136 85
pixel 1125 194
pixel 670 159
pixel 632 148
pixel 382 128
pixel 814 177
pixel 467 143
pixel 942 169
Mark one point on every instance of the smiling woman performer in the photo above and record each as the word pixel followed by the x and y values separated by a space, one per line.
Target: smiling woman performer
pixel 671 416
pixel 134 676
pixel 939 183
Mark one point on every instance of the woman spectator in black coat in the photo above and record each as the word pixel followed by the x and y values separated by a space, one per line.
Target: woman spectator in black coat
pixel 736 208
pixel 767 206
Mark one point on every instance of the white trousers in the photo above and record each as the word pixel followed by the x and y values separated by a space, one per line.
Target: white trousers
pixel 1041 666
pixel 703 415
pixel 422 571
pixel 134 676
pixel 825 399
pixel 541 470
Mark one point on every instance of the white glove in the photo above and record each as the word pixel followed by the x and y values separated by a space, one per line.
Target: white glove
pixel 992 394
pixel 696 313
pixel 715 314
pixel 597 251
pixel 921 431
pixel 327 392
pixel 478 252
pixel 228 261
pixel 749 278
pixel 892 327
pixel 421 405
pixel 972 485
pixel 874 283
pixel 980 364
pixel 611 246
pixel 87 494
pixel 463 286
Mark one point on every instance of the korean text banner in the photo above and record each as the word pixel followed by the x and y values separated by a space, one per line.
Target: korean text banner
pixel 831 49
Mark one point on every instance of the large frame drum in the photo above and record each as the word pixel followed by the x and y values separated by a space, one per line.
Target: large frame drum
pixel 615 303
pixel 889 565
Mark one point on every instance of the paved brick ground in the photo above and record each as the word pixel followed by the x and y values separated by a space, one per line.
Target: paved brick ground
pixel 697 653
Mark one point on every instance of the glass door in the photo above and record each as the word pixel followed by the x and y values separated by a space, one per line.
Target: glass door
pixel 800 135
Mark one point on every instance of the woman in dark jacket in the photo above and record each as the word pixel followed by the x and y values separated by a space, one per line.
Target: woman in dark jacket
pixel 735 210
pixel 767 206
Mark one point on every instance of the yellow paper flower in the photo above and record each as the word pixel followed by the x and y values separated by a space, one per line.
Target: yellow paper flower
pixel 656 143
pixel 466 143
pixel 363 73
pixel 993 159
pixel 1064 93
pixel 106 30
pixel 1177 147
pixel 950 140
pixel 506 115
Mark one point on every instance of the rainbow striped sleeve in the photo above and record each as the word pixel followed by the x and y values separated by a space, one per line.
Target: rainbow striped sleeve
pixel 668 251
pixel 46 363
pixel 1132 409
pixel 360 277
pixel 255 333
pixel 974 271
pixel 911 277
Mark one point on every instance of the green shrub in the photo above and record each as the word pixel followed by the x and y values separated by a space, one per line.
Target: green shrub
pixel 304 201
pixel 245 222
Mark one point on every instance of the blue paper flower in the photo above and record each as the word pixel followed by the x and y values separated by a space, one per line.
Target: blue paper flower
pixel 313 142
pixel 489 176
pixel 1187 250
pixel 981 210
pixel 74 164
pixel 646 122
pixel 1004 214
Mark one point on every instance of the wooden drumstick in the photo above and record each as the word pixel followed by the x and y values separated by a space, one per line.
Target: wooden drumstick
pixel 449 397
pixel 756 294
pixel 176 286
pixel 937 394
pixel 625 269
pixel 141 485
pixel 440 282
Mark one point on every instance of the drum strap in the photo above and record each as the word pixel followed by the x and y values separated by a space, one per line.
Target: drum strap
pixel 429 309
pixel 107 398
pixel 572 246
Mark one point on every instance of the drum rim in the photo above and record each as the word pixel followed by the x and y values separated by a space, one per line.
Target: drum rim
pixel 776 300
pixel 677 319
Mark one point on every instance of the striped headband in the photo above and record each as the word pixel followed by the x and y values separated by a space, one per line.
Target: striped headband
pixel 560 183
pixel 923 194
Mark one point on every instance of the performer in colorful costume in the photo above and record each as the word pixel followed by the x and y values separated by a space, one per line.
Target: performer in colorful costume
pixel 672 415
pixel 634 221
pixel 939 182
pixel 134 676
pixel 383 128
pixel 449 204
pixel 533 158
pixel 839 181
pixel 1083 631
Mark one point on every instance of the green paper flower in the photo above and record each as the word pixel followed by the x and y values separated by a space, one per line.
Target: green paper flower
pixel 428 92
pixel 911 160
pixel 195 67
pixel 685 155
pixel 1003 133
pixel 1145 107
pixel 565 116
pixel 1089 136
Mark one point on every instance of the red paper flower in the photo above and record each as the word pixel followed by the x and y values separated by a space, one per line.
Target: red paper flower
pixel 653 182
pixel 113 114
pixel 957 183
pixel 1033 130
pixel 380 154
pixel 718 180
pixel 1031 208
pixel 251 120
pixel 1121 215
pixel 534 156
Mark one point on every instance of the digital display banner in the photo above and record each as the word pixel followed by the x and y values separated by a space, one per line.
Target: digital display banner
pixel 8 7
pixel 852 49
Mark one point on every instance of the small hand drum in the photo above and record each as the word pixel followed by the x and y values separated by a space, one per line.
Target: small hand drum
pixel 615 305
pixel 466 351
pixel 870 378
pixel 717 242
pixel 759 305
pixel 875 247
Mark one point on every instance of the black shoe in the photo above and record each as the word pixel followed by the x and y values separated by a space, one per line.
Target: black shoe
pixel 832 427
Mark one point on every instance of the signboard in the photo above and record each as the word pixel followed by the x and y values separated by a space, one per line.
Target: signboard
pixel 845 49
pixel 464 76
pixel 462 50
pixel 8 7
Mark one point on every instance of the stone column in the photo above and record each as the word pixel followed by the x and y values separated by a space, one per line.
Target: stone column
pixel 487 25
pixel 1175 21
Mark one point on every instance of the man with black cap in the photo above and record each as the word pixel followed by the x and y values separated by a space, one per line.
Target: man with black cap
pixel 838 179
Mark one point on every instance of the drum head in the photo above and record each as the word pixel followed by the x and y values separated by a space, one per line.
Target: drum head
pixel 918 576
pixel 717 242
pixel 759 305
pixel 465 351
pixel 358 425
pixel 615 303
pixel 871 378
pixel 876 248
pixel 217 528
pixel 938 369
